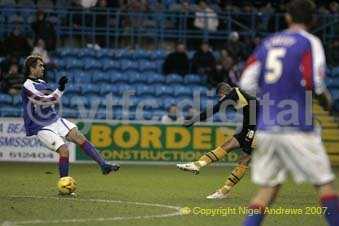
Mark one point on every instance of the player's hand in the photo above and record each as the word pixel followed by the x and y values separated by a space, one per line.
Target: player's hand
pixel 62 83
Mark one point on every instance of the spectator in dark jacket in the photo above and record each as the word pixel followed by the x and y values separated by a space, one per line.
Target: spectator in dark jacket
pixel 44 30
pixel 203 61
pixel 13 80
pixel 176 62
pixel 16 44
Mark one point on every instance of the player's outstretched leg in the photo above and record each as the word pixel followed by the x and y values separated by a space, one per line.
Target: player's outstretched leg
pixel 329 200
pixel 210 157
pixel 75 136
pixel 238 172
pixel 63 161
pixel 265 196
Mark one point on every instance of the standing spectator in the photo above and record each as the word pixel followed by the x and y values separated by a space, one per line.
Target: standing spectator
pixel 16 44
pixel 44 30
pixel 172 115
pixel 13 80
pixel 205 18
pixel 203 61
pixel 177 62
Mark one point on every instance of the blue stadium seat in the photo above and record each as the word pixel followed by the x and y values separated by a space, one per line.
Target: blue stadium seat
pixel 174 78
pixel 105 89
pixel 123 88
pixel 168 101
pixel 89 89
pixel 332 82
pixel 60 63
pixel 17 101
pixel 74 89
pixel 82 78
pixel 6 99
pixel 336 105
pixel 129 65
pixel 104 53
pixel 100 77
pixel 135 77
pixel 153 77
pixel 75 101
pixel 11 111
pixel 144 90
pixel 142 54
pixel 72 63
pixel 91 63
pixel 335 72
pixel 118 77
pixel 108 64
pixel 192 79
pixel 124 54
pixel 146 65
pixel 181 90
pixel 164 90
pixel 87 52
pixel 158 54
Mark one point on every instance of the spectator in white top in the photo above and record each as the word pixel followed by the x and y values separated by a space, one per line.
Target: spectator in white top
pixel 206 18
pixel 172 116
pixel 39 49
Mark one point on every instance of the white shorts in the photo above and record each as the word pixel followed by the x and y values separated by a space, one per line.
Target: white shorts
pixel 300 154
pixel 54 134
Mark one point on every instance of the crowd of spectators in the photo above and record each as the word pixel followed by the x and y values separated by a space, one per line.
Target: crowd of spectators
pixel 218 64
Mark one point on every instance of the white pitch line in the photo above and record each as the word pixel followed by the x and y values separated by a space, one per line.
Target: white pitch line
pixel 100 219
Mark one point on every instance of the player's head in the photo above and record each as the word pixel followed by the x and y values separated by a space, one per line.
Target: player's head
pixel 300 12
pixel 223 89
pixel 34 66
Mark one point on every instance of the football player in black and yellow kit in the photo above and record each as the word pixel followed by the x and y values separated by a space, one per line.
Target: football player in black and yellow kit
pixel 243 139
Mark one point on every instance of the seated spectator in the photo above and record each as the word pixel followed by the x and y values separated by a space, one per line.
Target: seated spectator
pixel 13 80
pixel 172 115
pixel 176 62
pixel 203 61
pixel 223 67
pixel 16 44
pixel 39 49
pixel 206 18
pixel 235 46
pixel 192 112
pixel 44 30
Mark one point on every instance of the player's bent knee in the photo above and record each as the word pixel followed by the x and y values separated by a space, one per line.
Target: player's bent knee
pixel 230 144
pixel 63 150
pixel 75 136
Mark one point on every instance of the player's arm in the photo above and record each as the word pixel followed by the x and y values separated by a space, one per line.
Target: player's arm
pixel 40 98
pixel 203 115
pixel 317 57
pixel 250 76
pixel 208 112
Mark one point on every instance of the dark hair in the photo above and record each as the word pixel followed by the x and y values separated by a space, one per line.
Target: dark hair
pixel 301 11
pixel 31 61
pixel 224 86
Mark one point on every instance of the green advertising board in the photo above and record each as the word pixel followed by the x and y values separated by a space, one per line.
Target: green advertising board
pixel 155 142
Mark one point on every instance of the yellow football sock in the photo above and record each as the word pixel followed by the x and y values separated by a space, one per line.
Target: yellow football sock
pixel 236 175
pixel 211 156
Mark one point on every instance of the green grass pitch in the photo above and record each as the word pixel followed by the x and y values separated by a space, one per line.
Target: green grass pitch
pixel 149 196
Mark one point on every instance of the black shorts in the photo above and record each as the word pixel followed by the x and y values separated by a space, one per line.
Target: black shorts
pixel 245 139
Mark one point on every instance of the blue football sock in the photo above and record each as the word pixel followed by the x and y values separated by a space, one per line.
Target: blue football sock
pixel 90 150
pixel 255 219
pixel 332 212
pixel 63 166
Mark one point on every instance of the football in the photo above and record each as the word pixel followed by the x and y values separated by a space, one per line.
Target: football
pixel 66 185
